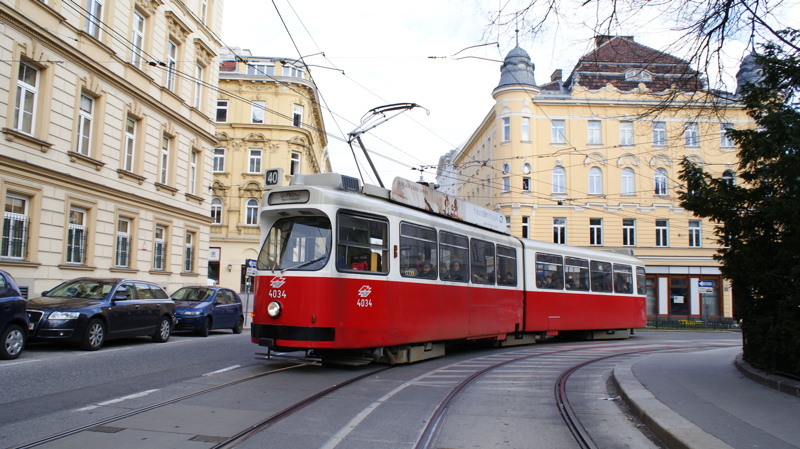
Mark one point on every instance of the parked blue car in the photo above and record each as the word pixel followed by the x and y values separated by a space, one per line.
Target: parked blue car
pixel 13 318
pixel 201 309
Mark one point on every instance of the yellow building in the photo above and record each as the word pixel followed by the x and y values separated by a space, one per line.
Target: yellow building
pixel 268 119
pixel 592 161
pixel 108 138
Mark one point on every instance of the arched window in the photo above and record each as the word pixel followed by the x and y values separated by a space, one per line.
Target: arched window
pixel 729 177
pixel 559 180
pixel 595 181
pixel 216 211
pixel 660 179
pixel 627 185
pixel 251 212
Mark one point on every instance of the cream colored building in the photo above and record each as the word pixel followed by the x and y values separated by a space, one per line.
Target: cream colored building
pixel 593 161
pixel 108 130
pixel 268 118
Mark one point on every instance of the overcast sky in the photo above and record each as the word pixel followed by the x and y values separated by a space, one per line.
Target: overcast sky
pixel 384 49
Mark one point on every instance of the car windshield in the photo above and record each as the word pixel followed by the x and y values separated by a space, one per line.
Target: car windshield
pixel 83 288
pixel 192 294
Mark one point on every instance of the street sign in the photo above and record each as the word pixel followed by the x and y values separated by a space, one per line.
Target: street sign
pixel 703 290
pixel 250 265
pixel 273 178
pixel 706 283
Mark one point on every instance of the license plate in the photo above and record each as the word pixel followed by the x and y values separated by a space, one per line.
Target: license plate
pixel 31 326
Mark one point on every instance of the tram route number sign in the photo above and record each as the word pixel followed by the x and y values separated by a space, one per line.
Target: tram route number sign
pixel 273 177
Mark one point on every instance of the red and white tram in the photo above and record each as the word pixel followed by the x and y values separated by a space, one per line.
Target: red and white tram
pixel 355 271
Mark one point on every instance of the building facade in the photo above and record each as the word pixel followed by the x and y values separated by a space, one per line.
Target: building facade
pixel 107 119
pixel 268 119
pixel 593 161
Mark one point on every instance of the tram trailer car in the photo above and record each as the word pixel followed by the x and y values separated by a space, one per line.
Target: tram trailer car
pixel 355 274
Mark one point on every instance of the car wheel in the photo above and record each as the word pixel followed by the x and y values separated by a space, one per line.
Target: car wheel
pixel 13 341
pixel 95 335
pixel 239 326
pixel 206 328
pixel 164 330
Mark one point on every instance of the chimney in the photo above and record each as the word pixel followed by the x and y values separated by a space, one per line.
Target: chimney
pixel 556 76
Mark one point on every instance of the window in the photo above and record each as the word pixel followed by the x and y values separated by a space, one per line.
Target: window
pixel 363 244
pixel 601 277
pixel 137 39
pixel 526 129
pixel 482 261
pixel 560 231
pixel 557 132
pixel 163 172
pixel 526 184
pixel 660 179
pixel 172 65
pixel 690 134
pixel 203 10
pixel 188 253
pixel 294 71
pixel 627 182
pixel 259 107
pixel 254 161
pixel 506 184
pixel 508 223
pixel 76 236
pixel 695 234
pixel 506 168
pixel 251 212
pixel 130 144
pixel 729 177
pixel 594 136
pixel 261 68
pixel 626 133
pixel 506 129
pixel 15 227
pixel 559 180
pixel 577 273
pixel 216 211
pixel 525 227
pixel 596 231
pixel 294 163
pixel 659 134
pixel 94 18
pixel 549 271
pixel 299 243
pixel 418 251
pixel 160 248
pixel 192 188
pixel 222 111
pixel 638 75
pixel 85 117
pixel 628 232
pixel 725 141
pixel 297 116
pixel 662 232
pixel 454 257
pixel 506 265
pixel 122 258
pixel 198 86
pixel 25 106
pixel 595 181
pixel 219 160
pixel 623 278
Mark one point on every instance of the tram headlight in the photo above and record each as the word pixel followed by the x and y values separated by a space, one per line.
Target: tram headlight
pixel 274 309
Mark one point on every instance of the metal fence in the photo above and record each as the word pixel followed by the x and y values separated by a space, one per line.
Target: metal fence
pixel 691 325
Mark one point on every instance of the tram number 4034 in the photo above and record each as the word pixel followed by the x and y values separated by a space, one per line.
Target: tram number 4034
pixel 277 294
pixel 364 302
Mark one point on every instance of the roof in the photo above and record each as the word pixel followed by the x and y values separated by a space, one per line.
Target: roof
pixel 517 69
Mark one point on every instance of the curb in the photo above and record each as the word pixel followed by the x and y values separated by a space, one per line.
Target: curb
pixel 675 431
pixel 774 381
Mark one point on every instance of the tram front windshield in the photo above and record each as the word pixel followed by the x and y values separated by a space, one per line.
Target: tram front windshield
pixel 297 243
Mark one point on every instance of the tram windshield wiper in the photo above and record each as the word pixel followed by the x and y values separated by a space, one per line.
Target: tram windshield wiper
pixel 304 264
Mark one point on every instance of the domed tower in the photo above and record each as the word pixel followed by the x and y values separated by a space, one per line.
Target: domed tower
pixel 516 72
pixel 749 73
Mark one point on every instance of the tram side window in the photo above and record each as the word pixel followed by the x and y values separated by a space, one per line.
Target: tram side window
pixel 363 244
pixel 549 271
pixel 641 283
pixel 482 261
pixel 417 251
pixel 577 271
pixel 506 265
pixel 453 257
pixel 601 277
pixel 297 243
pixel 623 278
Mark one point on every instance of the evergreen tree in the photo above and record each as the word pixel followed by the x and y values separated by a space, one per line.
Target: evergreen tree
pixel 757 217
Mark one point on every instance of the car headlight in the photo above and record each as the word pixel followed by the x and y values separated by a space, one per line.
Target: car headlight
pixel 274 309
pixel 64 316
pixel 191 313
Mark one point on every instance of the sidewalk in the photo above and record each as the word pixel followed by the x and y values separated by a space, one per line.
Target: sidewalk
pixel 711 400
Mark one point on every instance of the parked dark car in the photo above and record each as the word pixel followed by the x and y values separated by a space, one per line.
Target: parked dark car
pixel 89 311
pixel 201 309
pixel 13 318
